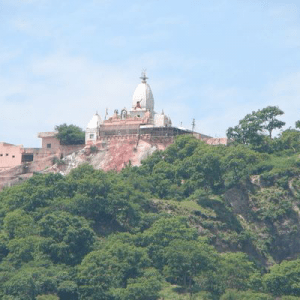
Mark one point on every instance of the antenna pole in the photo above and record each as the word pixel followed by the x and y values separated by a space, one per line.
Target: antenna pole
pixel 193 125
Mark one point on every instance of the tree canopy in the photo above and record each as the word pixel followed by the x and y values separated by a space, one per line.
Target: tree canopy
pixel 252 128
pixel 70 134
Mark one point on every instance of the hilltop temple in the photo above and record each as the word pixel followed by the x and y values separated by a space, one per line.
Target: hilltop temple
pixel 141 119
pixel 126 137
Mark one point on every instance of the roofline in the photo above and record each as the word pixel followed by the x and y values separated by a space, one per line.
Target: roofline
pixel 47 134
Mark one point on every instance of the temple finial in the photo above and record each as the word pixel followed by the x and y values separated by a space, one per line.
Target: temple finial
pixel 144 76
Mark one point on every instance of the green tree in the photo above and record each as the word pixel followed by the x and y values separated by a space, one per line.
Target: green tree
pixel 19 224
pixel 250 130
pixel 69 238
pixel 187 259
pixel 3 245
pixel 67 290
pixel 238 164
pixel 70 134
pixel 288 140
pixel 110 268
pixel 237 271
pixel 297 124
pixel 269 121
pixel 202 170
pixel 146 287
pixel 24 250
pixel 284 278
pixel 162 232
pixel 30 281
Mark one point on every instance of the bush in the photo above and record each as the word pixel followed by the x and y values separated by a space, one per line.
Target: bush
pixel 93 149
pixel 58 161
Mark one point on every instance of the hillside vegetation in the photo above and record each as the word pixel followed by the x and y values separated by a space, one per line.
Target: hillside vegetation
pixel 193 222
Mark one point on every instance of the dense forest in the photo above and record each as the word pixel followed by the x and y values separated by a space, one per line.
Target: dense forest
pixel 192 222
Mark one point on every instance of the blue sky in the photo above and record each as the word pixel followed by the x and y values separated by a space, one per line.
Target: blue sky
pixel 215 61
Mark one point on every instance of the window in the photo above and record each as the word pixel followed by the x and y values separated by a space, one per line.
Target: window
pixel 27 157
pixel 13 156
pixel 91 136
pixel 138 116
pixel 1 154
pixel 6 154
pixel 48 146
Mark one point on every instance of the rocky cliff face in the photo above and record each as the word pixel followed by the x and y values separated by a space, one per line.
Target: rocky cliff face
pixel 113 154
pixel 268 219
pixel 110 153
pixel 258 220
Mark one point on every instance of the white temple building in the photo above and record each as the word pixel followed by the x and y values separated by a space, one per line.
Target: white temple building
pixel 141 115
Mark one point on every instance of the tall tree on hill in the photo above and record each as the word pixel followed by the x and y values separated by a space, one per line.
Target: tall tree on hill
pixel 185 260
pixel 251 128
pixel 70 134
pixel 268 116
pixel 248 131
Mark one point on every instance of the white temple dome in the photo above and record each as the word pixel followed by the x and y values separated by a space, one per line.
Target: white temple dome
pixel 95 122
pixel 143 97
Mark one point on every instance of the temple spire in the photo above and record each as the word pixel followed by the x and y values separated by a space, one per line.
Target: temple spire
pixel 144 76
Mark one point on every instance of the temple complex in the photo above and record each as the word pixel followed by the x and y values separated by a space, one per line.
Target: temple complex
pixel 140 119
pixel 126 137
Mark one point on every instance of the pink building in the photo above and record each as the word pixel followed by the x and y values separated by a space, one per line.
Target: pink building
pixel 49 141
pixel 14 155
pixel 10 155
